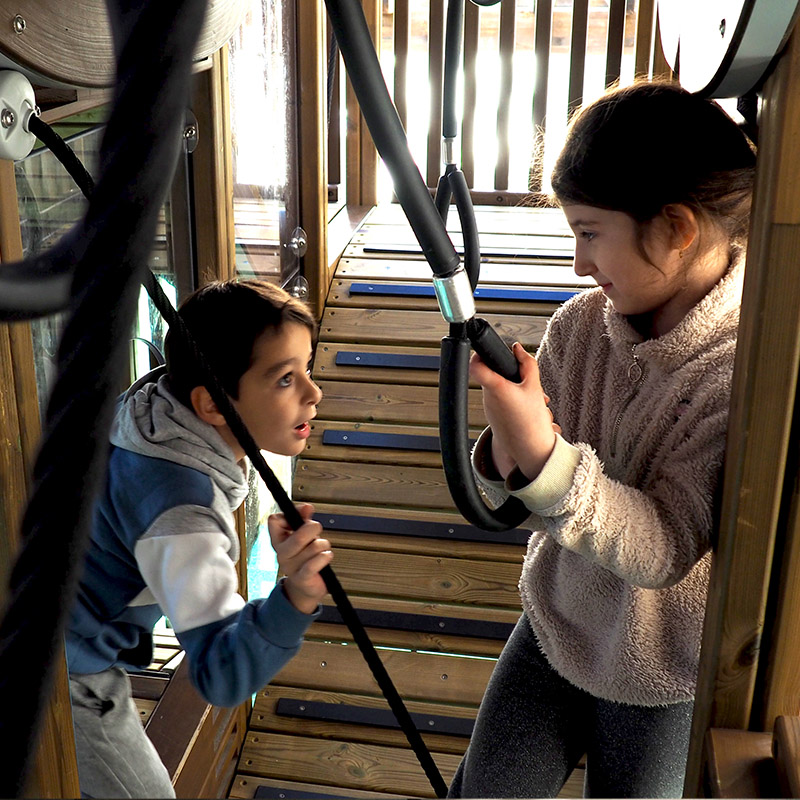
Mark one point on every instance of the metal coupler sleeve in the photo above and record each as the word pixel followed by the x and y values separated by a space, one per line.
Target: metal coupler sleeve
pixel 454 294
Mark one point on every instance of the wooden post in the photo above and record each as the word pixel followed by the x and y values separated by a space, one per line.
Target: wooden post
pixel 311 147
pixel 762 406
pixel 361 155
pixel 55 772
pixel 213 173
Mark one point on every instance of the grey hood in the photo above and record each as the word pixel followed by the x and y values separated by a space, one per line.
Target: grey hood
pixel 152 422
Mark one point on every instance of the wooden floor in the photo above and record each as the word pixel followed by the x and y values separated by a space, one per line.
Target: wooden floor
pixel 437 596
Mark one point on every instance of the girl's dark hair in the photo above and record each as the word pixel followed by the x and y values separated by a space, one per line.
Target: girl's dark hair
pixel 642 147
pixel 225 319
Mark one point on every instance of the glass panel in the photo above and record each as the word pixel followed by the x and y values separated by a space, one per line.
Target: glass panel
pixel 263 120
pixel 49 204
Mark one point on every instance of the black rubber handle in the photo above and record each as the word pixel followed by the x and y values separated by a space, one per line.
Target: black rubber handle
pixel 492 349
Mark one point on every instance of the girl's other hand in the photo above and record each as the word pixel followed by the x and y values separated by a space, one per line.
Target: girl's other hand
pixel 301 555
pixel 523 430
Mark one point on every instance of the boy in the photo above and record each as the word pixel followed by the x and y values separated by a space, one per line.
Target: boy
pixel 163 538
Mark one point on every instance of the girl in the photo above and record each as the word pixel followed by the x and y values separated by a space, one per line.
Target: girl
pixel 656 185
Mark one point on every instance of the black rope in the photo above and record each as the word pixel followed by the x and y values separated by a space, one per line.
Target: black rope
pixel 94 271
pixel 73 165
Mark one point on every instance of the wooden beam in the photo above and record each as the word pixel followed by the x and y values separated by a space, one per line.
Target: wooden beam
pixel 762 408
pixel 311 147
pixel 54 771
pixel 213 173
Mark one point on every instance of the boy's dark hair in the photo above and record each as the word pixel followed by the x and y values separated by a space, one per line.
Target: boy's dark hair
pixel 225 319
pixel 642 147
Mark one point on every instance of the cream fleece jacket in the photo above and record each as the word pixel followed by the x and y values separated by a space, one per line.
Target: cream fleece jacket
pixel 615 577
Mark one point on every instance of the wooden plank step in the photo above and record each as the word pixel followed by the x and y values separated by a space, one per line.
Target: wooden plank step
pixel 390 403
pixel 338 481
pixel 519 272
pixel 389 236
pixel 352 765
pixel 392 626
pixel 492 219
pixel 387 326
pixel 378 363
pixel 417 295
pixel 269 716
pixel 417 531
pixel 432 579
pixel 251 786
pixel 381 444
pixel 416 675
pixel 398 253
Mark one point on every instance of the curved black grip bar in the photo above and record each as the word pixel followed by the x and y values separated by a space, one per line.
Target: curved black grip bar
pixel 454 438
pixel 492 349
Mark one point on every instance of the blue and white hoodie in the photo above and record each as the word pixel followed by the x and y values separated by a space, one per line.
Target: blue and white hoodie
pixel 163 542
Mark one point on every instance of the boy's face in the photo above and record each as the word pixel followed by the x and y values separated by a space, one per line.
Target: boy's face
pixel 277 398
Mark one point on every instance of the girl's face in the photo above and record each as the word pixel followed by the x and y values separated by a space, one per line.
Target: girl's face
pixel 658 289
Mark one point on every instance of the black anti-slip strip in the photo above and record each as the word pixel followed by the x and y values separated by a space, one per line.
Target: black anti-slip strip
pixel 388 441
pixel 431 530
pixel 274 793
pixel 393 360
pixel 377 717
pixel 424 623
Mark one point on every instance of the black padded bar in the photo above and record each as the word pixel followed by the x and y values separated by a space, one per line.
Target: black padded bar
pixel 486 293
pixel 377 717
pixel 430 530
pixel 389 441
pixel 423 623
pixel 392 360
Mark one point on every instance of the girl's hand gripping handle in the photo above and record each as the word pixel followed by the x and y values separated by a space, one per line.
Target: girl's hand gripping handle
pixel 492 349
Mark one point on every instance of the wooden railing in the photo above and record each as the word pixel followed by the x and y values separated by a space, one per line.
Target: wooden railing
pixel 526 66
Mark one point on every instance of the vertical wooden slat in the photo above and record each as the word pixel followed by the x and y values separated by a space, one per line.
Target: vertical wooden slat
pixel 645 31
pixel 577 52
pixel 352 146
pixel 471 39
pixel 435 78
pixel 361 155
pixel 401 30
pixel 544 24
pixel 616 36
pixel 507 31
pixel 311 143
pixel 660 67
pixel 54 772
pixel 212 170
pixel 369 154
pixel 334 119
pixel 762 406
pixel 778 687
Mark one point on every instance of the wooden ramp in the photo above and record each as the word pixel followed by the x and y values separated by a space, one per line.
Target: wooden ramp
pixel 438 596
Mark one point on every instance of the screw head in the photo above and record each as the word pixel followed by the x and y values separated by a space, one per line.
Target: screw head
pixel 18 24
pixel 7 118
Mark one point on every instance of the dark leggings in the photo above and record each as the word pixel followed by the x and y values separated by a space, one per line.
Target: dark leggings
pixel 533 727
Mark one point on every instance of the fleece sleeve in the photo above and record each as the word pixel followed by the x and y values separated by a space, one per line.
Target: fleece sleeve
pixel 234 648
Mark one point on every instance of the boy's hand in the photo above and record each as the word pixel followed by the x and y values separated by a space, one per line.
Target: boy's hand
pixel 301 555
pixel 523 430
